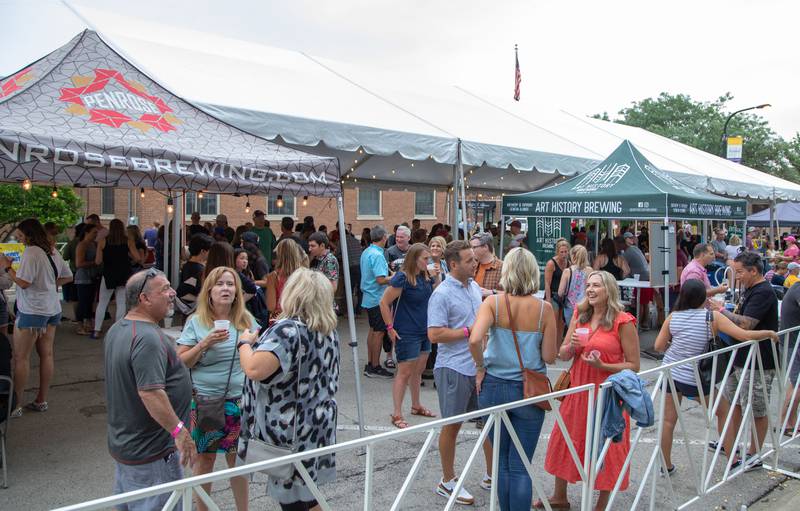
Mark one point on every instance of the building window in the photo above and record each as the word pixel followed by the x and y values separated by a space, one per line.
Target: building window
pixel 369 202
pixel 288 208
pixel 206 206
pixel 425 204
pixel 107 201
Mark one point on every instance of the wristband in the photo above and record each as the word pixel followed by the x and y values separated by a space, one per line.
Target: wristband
pixel 177 429
pixel 466 332
pixel 389 327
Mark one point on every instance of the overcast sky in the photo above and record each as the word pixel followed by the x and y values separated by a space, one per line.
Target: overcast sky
pixel 584 56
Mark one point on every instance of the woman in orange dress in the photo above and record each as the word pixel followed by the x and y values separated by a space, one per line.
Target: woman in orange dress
pixel 612 334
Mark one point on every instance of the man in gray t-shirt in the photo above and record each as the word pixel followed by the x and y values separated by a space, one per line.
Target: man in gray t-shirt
pixel 635 258
pixel 638 264
pixel 149 393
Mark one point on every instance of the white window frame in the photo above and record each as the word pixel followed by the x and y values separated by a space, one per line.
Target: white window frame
pixel 359 216
pixel 425 217
pixel 212 216
pixel 272 217
pixel 104 214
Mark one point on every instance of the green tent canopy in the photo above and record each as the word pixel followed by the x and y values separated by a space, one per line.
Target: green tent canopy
pixel 624 185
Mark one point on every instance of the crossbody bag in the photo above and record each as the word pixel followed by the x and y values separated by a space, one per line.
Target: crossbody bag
pixel 534 382
pixel 211 409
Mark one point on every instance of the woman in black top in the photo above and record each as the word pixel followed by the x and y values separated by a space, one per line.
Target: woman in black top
pixel 115 253
pixel 609 260
pixel 135 234
pixel 552 277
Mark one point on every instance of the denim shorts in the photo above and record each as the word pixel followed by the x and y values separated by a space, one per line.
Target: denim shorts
pixel 409 346
pixel 37 321
pixel 136 477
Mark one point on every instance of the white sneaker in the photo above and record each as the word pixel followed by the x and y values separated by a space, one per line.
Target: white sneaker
pixel 445 489
pixel 486 482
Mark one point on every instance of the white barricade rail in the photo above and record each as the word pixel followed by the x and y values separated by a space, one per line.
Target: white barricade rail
pixel 707 473
pixel 185 488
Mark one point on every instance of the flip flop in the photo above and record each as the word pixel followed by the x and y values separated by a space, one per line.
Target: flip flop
pixel 422 411
pixel 540 505
pixel 398 421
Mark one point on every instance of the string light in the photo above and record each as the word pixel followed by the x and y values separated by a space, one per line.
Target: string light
pixel 279 202
pixel 26 185
pixel 170 207
pixel 412 164
pixel 247 206
pixel 305 200
pixel 54 193
pixel 200 194
pixel 141 192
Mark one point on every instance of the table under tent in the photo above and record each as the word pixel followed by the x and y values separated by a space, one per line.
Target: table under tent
pixel 625 186
pixel 87 117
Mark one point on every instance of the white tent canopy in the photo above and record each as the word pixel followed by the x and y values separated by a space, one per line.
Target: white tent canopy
pixel 387 135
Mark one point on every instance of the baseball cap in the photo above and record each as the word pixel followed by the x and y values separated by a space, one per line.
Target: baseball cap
pixel 793 266
pixel 790 238
pixel 628 234
pixel 250 237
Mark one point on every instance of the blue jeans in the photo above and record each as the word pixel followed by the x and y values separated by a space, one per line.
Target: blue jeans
pixel 568 312
pixel 512 480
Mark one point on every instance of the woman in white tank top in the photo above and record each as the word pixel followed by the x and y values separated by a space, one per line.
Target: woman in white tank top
pixel 685 334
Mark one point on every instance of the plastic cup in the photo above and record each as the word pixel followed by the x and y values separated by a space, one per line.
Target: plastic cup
pixel 636 277
pixel 222 324
pixel 431 266
pixel 583 335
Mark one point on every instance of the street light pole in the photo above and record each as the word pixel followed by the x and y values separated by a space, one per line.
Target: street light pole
pixel 728 120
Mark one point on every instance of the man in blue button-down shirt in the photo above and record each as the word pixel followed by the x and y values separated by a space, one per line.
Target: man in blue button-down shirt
pixel 451 314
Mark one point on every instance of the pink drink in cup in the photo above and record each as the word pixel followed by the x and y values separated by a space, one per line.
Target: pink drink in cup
pixel 583 335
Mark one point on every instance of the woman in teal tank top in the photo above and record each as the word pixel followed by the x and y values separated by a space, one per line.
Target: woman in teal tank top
pixel 500 380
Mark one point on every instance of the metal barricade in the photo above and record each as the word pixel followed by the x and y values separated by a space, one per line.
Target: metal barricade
pixel 183 490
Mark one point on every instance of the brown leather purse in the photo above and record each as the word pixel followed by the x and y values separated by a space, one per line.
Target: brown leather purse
pixel 534 383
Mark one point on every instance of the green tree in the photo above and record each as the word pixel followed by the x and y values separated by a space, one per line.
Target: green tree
pixel 18 204
pixel 700 124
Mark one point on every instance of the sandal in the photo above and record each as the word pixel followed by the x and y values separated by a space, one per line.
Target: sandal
pixel 422 411
pixel 82 331
pixel 553 505
pixel 399 422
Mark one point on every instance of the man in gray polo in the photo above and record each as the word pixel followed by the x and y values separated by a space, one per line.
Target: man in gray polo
pixel 451 314
pixel 148 391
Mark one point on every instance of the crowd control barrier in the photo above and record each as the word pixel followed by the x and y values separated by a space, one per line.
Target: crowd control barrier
pixel 651 488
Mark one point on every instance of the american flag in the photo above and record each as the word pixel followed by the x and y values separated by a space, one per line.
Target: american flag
pixel 517 75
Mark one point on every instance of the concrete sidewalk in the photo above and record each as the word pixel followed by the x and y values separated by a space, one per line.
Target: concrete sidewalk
pixel 60 457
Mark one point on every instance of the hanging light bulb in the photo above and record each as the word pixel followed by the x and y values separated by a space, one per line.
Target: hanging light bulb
pixel 200 194
pixel 26 185
pixel 279 202
pixel 247 207
pixel 170 207
pixel 141 192
pixel 305 200
pixel 54 193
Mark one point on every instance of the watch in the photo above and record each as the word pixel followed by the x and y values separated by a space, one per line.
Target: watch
pixel 240 344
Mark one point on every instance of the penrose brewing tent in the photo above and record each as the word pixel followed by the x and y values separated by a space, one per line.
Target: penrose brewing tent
pixel 625 185
pixel 85 116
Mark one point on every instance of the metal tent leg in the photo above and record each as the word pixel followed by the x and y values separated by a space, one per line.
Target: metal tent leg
pixel 351 320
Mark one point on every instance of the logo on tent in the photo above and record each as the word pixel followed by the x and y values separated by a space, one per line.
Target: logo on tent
pixel 109 99
pixel 602 178
pixel 15 83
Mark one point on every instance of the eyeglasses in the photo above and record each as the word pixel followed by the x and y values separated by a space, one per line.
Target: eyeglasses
pixel 152 272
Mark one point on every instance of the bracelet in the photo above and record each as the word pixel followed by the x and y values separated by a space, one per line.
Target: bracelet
pixel 466 332
pixel 389 327
pixel 177 429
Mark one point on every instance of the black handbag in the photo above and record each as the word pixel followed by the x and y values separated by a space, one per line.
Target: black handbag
pixel 210 410
pixel 560 299
pixel 705 365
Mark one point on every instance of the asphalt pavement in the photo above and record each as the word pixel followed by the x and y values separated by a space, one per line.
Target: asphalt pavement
pixel 59 457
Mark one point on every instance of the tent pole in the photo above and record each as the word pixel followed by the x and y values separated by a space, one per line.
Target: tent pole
pixel 175 266
pixel 502 234
pixel 165 243
pixel 597 236
pixel 454 220
pixel 351 321
pixel 773 219
pixel 463 191
pixel 666 278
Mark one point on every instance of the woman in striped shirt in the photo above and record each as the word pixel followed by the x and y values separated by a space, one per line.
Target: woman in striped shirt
pixel 685 334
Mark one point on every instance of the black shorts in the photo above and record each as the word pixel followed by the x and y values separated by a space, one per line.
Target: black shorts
pixel 299 506
pixel 686 390
pixel 375 319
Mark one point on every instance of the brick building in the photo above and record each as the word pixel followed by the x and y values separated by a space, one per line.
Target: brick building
pixel 364 207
